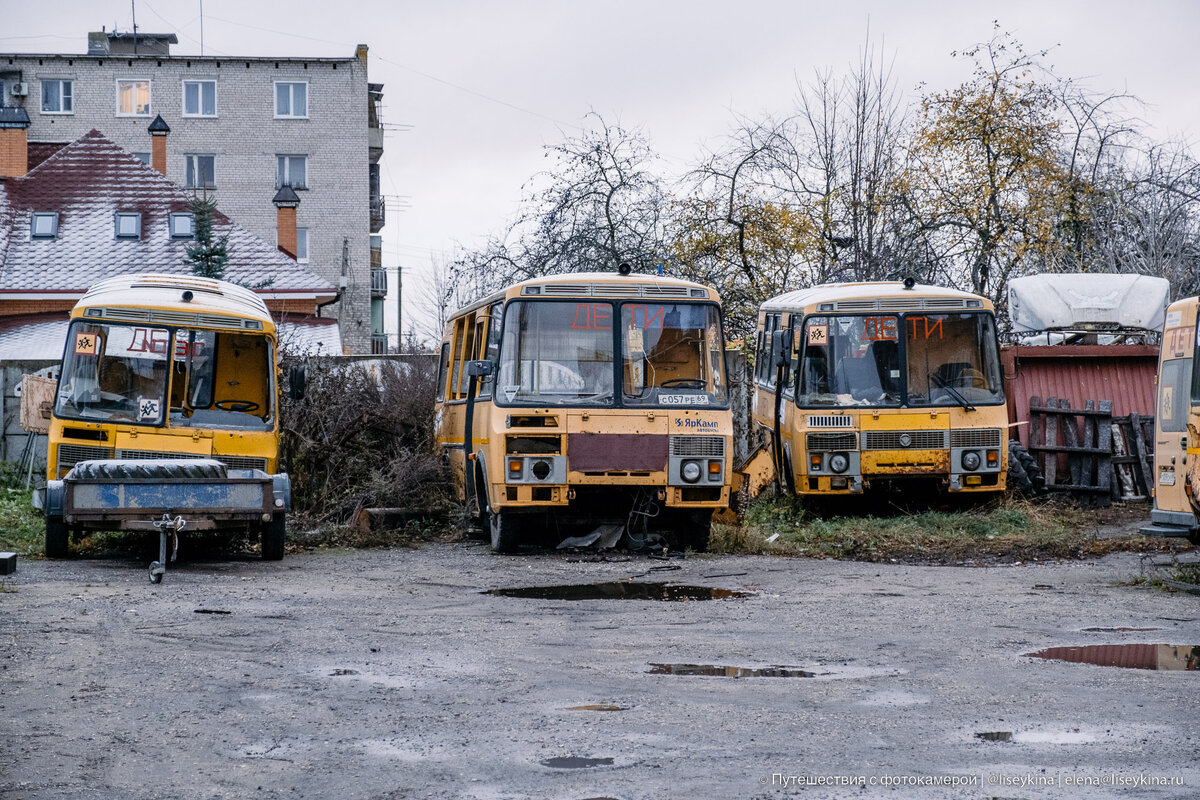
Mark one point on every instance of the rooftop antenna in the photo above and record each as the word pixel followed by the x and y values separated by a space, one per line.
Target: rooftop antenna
pixel 133 11
pixel 201 27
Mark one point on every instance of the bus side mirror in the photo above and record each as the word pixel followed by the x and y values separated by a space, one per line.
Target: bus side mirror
pixel 481 368
pixel 297 378
pixel 781 347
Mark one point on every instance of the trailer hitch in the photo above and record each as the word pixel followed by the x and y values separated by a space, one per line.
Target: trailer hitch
pixel 168 531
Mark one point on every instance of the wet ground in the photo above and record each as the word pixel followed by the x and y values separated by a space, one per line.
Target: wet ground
pixel 403 673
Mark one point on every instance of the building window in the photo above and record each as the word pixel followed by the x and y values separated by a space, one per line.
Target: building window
pixel 129 226
pixel 57 97
pixel 183 226
pixel 199 98
pixel 291 171
pixel 133 98
pixel 143 157
pixel 291 100
pixel 302 245
pixel 44 225
pixel 200 172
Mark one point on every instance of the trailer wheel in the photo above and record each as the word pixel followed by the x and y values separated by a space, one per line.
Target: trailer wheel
pixel 696 528
pixel 1024 474
pixel 57 537
pixel 504 531
pixel 273 535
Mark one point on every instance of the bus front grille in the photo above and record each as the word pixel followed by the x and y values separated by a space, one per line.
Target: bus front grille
pixel 917 440
pixel 832 441
pixel 982 437
pixel 699 446
pixel 71 454
pixel 234 462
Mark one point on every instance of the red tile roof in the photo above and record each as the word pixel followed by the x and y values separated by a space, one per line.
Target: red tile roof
pixel 88 181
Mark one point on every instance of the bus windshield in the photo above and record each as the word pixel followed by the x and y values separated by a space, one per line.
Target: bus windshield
pixel 899 359
pixel 563 353
pixel 122 373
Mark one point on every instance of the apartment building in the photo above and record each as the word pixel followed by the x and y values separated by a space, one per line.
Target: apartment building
pixel 237 129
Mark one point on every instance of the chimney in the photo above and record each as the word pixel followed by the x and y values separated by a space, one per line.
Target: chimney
pixel 360 53
pixel 286 202
pixel 158 144
pixel 14 142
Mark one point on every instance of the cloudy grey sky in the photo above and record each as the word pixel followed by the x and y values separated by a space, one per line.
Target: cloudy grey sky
pixel 475 88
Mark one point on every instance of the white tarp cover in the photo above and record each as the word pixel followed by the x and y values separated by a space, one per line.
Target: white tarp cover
pixel 1082 301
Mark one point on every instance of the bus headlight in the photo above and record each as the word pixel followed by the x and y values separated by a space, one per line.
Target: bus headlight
pixel 970 460
pixel 541 469
pixel 690 471
pixel 838 462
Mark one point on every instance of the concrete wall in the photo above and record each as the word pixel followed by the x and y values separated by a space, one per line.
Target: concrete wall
pixel 245 138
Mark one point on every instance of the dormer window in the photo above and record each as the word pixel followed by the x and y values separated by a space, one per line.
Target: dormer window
pixel 129 226
pixel 44 225
pixel 183 226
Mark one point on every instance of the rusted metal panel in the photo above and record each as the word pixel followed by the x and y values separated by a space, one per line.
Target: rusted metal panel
pixel 1123 374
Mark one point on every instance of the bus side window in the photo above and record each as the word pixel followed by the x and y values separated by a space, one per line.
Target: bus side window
pixel 443 370
pixel 464 352
pixel 491 350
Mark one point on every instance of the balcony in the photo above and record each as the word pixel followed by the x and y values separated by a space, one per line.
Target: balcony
pixel 378 282
pixel 379 344
pixel 378 214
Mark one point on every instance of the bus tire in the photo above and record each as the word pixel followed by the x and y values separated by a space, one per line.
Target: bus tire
pixel 273 535
pixel 504 532
pixel 57 537
pixel 1024 474
pixel 696 529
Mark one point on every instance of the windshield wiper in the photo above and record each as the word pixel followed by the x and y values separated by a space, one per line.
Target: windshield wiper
pixel 962 401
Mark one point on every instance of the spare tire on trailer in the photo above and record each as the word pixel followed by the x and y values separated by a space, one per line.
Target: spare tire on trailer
pixel 1024 475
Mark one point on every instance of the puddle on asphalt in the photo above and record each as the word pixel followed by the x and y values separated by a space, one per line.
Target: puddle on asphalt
pixel 1118 630
pixel 729 672
pixel 597 707
pixel 1130 656
pixel 1073 736
pixel 619 590
pixel 576 762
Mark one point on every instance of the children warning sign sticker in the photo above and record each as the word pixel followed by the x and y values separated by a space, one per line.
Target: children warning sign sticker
pixel 86 344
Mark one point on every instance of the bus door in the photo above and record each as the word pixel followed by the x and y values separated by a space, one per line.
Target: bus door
pixel 1172 437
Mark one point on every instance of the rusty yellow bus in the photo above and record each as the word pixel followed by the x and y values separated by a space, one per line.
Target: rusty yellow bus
pixel 592 402
pixel 166 416
pixel 866 387
pixel 1177 426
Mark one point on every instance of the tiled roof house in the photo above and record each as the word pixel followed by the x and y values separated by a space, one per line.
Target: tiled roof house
pixel 89 210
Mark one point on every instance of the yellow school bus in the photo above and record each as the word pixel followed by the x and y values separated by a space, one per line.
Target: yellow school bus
pixel 166 407
pixel 1177 426
pixel 863 387
pixel 593 403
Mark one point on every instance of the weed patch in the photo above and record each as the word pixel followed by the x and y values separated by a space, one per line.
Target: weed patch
pixel 1008 532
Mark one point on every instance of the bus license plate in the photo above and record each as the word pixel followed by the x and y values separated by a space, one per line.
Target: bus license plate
pixel 1167 477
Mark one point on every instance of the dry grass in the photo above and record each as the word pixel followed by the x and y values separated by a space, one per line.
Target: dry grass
pixel 1010 531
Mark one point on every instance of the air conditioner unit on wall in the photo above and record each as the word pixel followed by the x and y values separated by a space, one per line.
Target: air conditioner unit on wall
pixel 20 89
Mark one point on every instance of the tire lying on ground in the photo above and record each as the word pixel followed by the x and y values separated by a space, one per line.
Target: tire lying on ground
pixel 1024 475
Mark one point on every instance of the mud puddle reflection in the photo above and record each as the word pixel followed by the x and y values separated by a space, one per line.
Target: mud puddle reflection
pixel 619 590
pixel 1129 656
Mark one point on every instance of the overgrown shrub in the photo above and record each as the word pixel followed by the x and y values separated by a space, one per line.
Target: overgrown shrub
pixel 363 437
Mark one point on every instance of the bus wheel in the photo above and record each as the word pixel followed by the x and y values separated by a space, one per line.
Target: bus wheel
pixel 696 527
pixel 504 532
pixel 273 534
pixel 57 537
